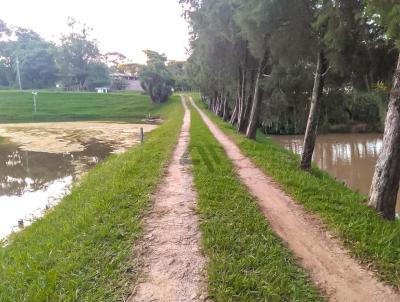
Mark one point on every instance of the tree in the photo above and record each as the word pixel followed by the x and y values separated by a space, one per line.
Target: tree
pixel 344 39
pixel 76 54
pixel 178 73
pixel 385 183
pixel 4 30
pixel 115 61
pixel 37 63
pixel 97 76
pixel 155 78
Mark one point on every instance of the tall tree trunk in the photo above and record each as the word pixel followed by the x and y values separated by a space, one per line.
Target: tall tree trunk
pixel 215 108
pixel 221 106
pixel 385 183
pixel 241 110
pixel 253 120
pixel 226 110
pixel 247 102
pixel 313 117
pixel 234 114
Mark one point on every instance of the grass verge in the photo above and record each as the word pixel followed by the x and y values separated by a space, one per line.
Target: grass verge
pixel 17 107
pixel 247 262
pixel 80 250
pixel 369 238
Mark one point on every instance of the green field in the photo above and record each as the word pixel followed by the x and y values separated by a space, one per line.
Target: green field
pixel 373 240
pixel 247 261
pixel 81 250
pixel 16 107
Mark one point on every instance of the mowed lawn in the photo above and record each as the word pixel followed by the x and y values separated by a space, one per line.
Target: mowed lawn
pixel 17 107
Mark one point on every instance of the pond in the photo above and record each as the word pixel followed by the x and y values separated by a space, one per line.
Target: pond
pixel 39 163
pixel 350 158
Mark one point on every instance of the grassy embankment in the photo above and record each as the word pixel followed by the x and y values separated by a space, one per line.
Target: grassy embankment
pixel 80 250
pixel 16 107
pixel 369 238
pixel 247 262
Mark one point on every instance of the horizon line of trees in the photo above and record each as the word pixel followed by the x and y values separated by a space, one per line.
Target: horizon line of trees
pixel 300 66
pixel 74 64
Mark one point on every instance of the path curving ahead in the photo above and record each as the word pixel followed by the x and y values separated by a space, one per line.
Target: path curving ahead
pixel 173 266
pixel 329 264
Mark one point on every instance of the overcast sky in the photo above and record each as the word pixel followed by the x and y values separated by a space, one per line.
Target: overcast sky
pixel 126 26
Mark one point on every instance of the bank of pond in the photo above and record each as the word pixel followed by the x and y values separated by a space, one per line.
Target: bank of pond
pixel 350 158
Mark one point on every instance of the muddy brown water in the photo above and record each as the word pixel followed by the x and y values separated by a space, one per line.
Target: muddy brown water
pixel 32 181
pixel 350 158
pixel 39 162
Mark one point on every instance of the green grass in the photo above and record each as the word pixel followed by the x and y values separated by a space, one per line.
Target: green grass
pixel 80 251
pixel 247 262
pixel 16 107
pixel 369 238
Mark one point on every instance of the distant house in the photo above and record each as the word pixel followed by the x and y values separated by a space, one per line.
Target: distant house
pixel 131 80
pixel 123 76
pixel 103 90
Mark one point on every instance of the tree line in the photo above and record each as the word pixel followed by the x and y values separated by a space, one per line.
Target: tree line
pixel 76 63
pixel 297 66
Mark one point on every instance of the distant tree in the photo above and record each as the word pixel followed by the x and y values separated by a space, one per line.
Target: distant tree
pixel 178 73
pixel 4 30
pixel 37 63
pixel 385 183
pixel 155 78
pixel 115 61
pixel 97 76
pixel 76 55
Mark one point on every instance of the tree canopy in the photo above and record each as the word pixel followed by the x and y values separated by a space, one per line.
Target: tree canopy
pixel 230 38
pixel 155 77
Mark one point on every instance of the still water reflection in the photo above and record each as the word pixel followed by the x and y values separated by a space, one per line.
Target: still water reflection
pixel 32 181
pixel 350 158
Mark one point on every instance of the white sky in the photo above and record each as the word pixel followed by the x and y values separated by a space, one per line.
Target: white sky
pixel 125 26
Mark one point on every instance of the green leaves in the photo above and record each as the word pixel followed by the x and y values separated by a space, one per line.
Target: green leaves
pixel 387 13
pixel 156 79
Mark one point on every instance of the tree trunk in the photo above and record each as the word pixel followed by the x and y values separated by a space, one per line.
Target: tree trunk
pixel 313 117
pixel 214 104
pixel 247 102
pixel 253 120
pixel 385 183
pixel 221 106
pixel 226 110
pixel 234 114
pixel 242 101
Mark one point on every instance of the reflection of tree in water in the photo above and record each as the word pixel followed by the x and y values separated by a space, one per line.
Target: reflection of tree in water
pixel 22 171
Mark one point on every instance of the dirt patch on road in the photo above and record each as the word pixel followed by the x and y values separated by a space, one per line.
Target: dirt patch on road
pixel 72 136
pixel 173 265
pixel 329 264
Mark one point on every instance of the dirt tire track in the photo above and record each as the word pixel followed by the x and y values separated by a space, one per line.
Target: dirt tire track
pixel 329 264
pixel 173 265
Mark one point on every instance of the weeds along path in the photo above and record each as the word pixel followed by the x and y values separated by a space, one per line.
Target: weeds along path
pixel 330 266
pixel 173 265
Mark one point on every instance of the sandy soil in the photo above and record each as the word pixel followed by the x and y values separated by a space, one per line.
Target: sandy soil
pixel 72 136
pixel 173 266
pixel 330 266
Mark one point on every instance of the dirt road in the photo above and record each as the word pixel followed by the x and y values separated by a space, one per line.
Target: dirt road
pixel 330 266
pixel 173 266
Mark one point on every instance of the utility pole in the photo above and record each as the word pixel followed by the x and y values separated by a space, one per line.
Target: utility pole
pixel 18 74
